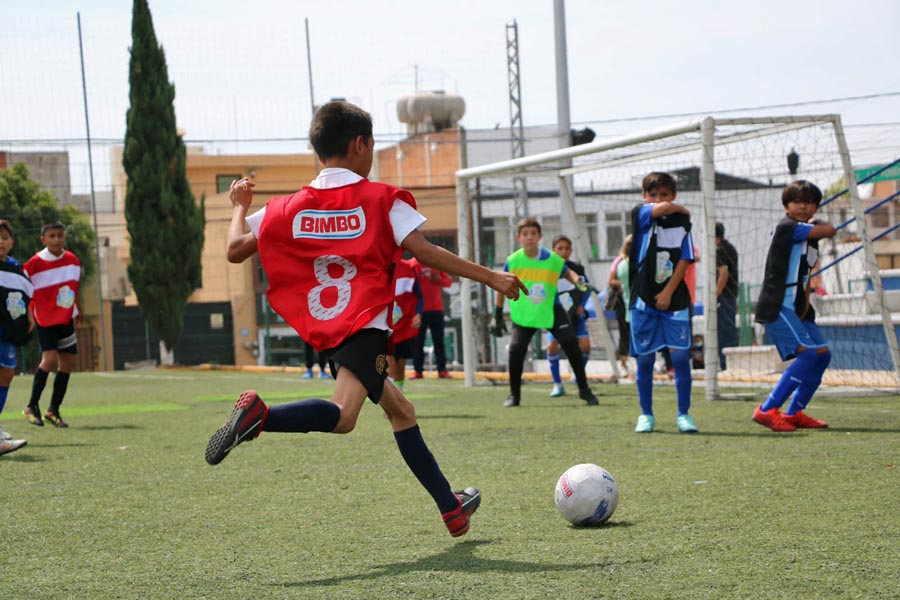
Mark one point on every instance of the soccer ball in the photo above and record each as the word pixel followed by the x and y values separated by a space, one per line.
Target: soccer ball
pixel 586 495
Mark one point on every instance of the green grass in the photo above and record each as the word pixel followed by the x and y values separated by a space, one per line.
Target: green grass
pixel 122 504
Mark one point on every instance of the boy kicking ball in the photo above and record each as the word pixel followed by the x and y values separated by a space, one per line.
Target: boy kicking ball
pixel 329 251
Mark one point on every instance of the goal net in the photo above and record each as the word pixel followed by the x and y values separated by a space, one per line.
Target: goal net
pixel 730 171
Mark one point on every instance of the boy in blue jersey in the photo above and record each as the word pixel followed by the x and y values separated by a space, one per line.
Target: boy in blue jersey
pixel 661 250
pixel 16 322
pixel 783 307
pixel 579 307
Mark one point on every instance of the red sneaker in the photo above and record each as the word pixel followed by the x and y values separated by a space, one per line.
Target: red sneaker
pixel 444 374
pixel 417 375
pixel 244 425
pixel 803 421
pixel 772 419
pixel 457 520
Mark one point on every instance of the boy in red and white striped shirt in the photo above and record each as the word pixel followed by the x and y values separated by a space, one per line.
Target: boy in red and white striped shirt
pixel 56 275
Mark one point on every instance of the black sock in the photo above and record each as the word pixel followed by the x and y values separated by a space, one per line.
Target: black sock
pixel 37 387
pixel 304 416
pixel 425 468
pixel 60 385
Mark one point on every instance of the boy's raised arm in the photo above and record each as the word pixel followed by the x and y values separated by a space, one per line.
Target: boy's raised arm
pixel 821 229
pixel 661 209
pixel 241 245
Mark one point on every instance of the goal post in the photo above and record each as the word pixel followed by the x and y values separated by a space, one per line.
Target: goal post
pixel 729 170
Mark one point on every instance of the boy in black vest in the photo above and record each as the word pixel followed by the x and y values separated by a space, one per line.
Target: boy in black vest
pixel 661 251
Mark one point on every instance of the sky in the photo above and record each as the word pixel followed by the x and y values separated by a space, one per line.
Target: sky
pixel 240 68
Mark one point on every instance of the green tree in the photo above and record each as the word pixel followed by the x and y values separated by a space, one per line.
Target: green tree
pixel 164 221
pixel 27 207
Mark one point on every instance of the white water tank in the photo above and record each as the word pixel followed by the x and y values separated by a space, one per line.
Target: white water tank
pixel 430 111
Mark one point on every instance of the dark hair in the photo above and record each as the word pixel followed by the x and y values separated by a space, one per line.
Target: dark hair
pixel 528 222
pixel 52 225
pixel 560 238
pixel 658 180
pixel 801 191
pixel 6 226
pixel 720 230
pixel 335 125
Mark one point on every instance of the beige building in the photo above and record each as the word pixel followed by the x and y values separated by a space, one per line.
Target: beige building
pixel 231 290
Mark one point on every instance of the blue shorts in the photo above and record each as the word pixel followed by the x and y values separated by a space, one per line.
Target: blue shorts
pixel 8 353
pixel 653 330
pixel 581 329
pixel 788 332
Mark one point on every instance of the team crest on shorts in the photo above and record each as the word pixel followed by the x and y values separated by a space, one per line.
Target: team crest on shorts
pixel 380 363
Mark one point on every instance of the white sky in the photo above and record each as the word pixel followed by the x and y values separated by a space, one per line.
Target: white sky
pixel 240 67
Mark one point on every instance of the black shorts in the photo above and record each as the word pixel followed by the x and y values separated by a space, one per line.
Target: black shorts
pixel 365 354
pixel 405 349
pixel 58 337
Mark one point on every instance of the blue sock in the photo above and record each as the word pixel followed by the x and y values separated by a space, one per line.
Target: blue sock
pixel 4 392
pixel 644 381
pixel 554 367
pixel 681 362
pixel 421 462
pixel 801 369
pixel 304 416
pixel 809 386
pixel 586 355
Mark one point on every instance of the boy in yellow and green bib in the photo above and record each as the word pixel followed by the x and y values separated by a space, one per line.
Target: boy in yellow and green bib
pixel 540 270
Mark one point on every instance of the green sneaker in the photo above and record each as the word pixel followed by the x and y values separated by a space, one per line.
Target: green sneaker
pixel 686 424
pixel 645 424
pixel 558 390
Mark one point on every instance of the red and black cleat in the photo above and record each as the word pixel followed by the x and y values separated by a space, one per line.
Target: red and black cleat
pixel 457 520
pixel 245 424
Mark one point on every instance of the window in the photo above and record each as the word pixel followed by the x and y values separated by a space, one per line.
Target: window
pixel 618 225
pixel 223 182
pixel 551 227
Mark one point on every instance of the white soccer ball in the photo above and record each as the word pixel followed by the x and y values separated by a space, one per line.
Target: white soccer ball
pixel 586 495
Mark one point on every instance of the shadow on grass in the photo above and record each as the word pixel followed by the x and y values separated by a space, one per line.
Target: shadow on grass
pixel 22 456
pixel 858 430
pixel 421 416
pixel 459 557
pixel 107 427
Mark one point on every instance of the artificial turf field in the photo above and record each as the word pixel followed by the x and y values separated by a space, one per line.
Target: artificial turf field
pixel 122 504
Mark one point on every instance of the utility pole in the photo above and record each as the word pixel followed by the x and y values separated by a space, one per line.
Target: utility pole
pixel 516 127
pixel 563 118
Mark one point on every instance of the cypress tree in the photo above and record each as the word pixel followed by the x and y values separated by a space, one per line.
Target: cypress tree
pixel 164 221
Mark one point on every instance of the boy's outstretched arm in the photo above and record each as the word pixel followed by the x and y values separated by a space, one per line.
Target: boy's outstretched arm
pixel 241 245
pixel 438 258
pixel 821 229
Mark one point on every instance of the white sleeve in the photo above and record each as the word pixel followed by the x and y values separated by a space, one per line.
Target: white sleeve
pixel 404 220
pixel 255 220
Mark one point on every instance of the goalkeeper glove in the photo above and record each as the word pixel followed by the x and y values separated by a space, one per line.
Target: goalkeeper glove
pixel 583 286
pixel 497 325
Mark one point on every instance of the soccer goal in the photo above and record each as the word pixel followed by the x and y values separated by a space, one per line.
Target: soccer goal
pixel 730 170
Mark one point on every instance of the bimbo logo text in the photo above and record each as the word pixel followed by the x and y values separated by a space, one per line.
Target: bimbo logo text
pixel 329 224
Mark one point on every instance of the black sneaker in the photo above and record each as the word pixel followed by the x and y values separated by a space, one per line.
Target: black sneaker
pixel 457 520
pixel 33 414
pixel 588 396
pixel 54 419
pixel 244 425
pixel 511 401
